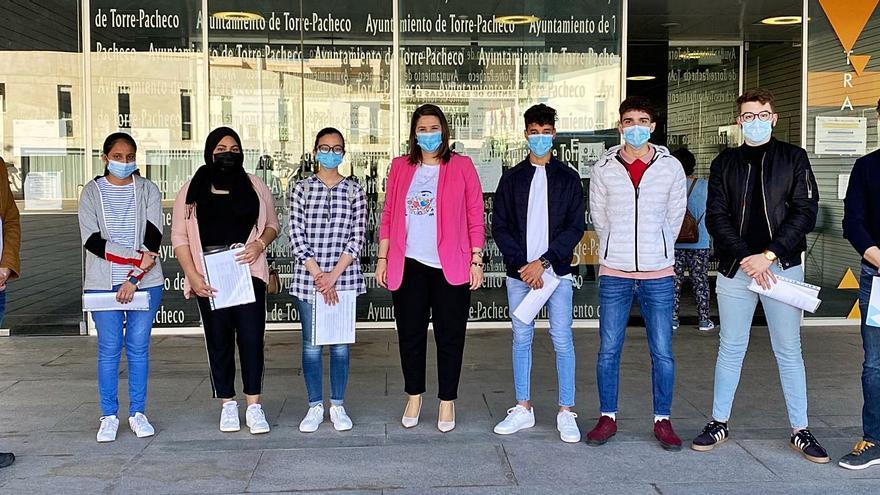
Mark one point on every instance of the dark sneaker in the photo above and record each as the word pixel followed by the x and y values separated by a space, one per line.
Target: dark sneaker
pixel 666 435
pixel 675 324
pixel 604 430
pixel 805 443
pixel 715 433
pixel 6 459
pixel 864 455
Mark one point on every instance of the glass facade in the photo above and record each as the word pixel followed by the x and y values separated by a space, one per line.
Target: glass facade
pixel 278 71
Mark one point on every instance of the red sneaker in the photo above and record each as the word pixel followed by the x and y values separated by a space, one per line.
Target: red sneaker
pixel 666 435
pixel 604 430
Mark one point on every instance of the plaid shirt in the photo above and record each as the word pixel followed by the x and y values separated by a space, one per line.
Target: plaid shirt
pixel 324 224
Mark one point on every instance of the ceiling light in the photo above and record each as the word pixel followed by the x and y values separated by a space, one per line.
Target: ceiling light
pixel 237 16
pixel 783 20
pixel 641 78
pixel 516 19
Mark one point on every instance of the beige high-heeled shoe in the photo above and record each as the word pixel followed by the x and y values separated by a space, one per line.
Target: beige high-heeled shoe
pixel 411 421
pixel 446 426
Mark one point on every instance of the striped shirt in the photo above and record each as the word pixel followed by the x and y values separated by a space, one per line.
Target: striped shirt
pixel 118 203
pixel 324 224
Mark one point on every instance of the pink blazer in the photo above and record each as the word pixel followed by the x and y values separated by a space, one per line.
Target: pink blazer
pixel 185 230
pixel 460 224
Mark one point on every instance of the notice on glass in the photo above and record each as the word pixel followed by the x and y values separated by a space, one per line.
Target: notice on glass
pixel 335 324
pixel 531 305
pixel 841 135
pixel 231 279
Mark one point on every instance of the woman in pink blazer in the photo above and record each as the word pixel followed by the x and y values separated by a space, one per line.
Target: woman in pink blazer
pixel 431 257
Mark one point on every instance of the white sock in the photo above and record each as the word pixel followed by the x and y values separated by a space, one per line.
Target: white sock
pixel 657 418
pixel 613 415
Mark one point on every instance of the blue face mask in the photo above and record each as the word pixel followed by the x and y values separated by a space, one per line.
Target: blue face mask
pixel 429 141
pixel 121 170
pixel 757 131
pixel 540 144
pixel 329 159
pixel 636 135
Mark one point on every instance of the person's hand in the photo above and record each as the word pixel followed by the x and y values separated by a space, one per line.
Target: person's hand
pixel 4 276
pixel 148 261
pixel 251 253
pixel 382 273
pixel 200 287
pixel 757 266
pixel 126 291
pixel 532 274
pixel 476 276
pixel 325 281
pixel 872 255
pixel 331 297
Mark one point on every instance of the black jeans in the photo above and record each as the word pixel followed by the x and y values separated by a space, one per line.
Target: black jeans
pixel 426 295
pixel 245 324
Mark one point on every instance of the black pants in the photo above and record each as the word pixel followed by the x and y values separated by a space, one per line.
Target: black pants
pixel 245 324
pixel 426 295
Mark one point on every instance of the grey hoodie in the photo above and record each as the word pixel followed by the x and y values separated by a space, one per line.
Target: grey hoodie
pixel 94 234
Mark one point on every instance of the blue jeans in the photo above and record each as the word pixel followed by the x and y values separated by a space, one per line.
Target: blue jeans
pixel 2 306
pixel 736 306
pixel 313 363
pixel 131 328
pixel 656 298
pixel 871 366
pixel 559 312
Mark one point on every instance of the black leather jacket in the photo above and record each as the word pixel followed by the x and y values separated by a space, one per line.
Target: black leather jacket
pixel 791 203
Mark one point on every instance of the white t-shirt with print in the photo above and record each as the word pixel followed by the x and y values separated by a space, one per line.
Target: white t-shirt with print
pixel 421 216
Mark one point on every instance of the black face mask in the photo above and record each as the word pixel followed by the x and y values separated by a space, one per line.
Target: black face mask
pixel 227 169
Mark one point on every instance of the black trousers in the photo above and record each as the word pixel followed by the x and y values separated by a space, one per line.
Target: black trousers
pixel 246 325
pixel 424 296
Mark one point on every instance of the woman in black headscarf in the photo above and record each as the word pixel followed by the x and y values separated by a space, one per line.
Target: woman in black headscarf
pixel 224 205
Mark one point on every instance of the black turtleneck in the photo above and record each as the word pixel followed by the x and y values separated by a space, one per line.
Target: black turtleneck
pixel 757 232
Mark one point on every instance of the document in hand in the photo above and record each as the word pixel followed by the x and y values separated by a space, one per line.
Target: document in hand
pixel 536 299
pixel 106 301
pixel 231 278
pixel 334 324
pixel 873 316
pixel 798 294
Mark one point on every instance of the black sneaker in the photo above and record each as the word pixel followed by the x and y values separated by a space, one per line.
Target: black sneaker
pixel 715 433
pixel 805 443
pixel 6 459
pixel 864 455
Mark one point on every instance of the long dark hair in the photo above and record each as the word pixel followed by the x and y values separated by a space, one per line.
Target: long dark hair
pixel 111 141
pixel 415 152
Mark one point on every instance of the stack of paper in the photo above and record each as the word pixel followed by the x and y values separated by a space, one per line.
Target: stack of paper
pixel 334 324
pixel 536 299
pixel 106 301
pixel 792 292
pixel 231 278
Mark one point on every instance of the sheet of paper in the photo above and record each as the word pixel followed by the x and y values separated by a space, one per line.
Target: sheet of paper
pixel 335 324
pixel 231 279
pixel 531 305
pixel 106 301
pixel 873 316
pixel 798 294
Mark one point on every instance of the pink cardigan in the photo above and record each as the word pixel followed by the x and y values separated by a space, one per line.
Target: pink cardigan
pixel 185 229
pixel 460 223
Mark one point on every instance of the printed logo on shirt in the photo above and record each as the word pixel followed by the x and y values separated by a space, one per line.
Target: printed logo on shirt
pixel 420 204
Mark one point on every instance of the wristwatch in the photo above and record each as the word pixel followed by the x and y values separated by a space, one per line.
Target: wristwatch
pixel 134 280
pixel 546 264
pixel 770 255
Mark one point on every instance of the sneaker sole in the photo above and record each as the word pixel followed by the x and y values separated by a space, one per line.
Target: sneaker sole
pixel 342 428
pixel 596 443
pixel 229 430
pixel 514 431
pixel 570 439
pixel 107 440
pixel 260 431
pixel 143 435
pixel 817 460
pixel 669 447
pixel 875 462
pixel 707 448
pixel 301 430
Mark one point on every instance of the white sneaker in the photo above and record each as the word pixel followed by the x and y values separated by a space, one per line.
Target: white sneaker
pixel 229 421
pixel 107 431
pixel 567 426
pixel 340 419
pixel 256 419
pixel 518 418
pixel 313 419
pixel 141 426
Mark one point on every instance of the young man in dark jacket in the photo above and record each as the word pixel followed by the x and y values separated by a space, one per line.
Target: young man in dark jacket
pixel 861 225
pixel 537 221
pixel 763 201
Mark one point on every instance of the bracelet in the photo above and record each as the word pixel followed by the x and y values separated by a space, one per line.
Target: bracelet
pixel 382 258
pixel 477 264
pixel 261 243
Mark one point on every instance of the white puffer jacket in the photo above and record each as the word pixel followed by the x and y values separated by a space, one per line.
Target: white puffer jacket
pixel 637 228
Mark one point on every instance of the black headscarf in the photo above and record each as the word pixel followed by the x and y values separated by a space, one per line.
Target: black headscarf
pixel 227 172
